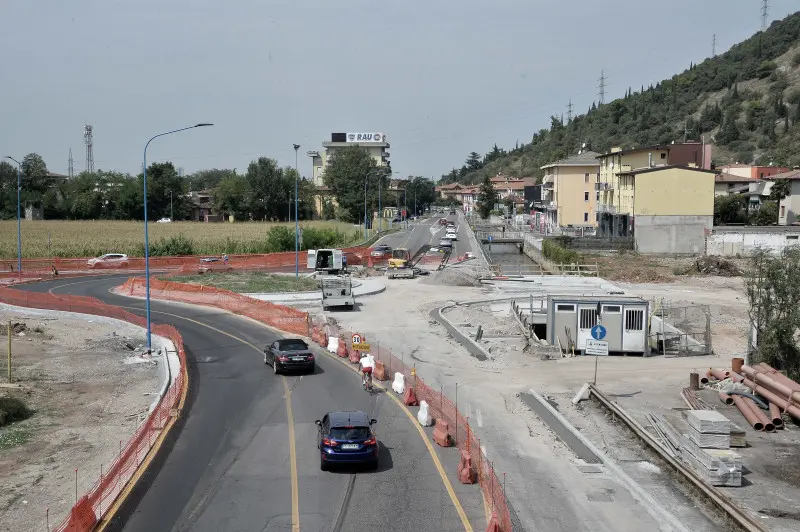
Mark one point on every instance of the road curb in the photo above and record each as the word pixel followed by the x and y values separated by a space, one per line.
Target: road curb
pixel 473 347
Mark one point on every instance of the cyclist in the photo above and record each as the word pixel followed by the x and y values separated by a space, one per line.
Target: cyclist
pixel 366 370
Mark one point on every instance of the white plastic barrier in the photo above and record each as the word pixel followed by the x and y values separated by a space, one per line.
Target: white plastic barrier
pixel 333 344
pixel 399 383
pixel 424 416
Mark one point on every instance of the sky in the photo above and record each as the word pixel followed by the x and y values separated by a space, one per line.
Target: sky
pixel 440 78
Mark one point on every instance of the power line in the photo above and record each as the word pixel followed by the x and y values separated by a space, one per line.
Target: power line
pixel 569 111
pixel 764 14
pixel 602 93
pixel 714 46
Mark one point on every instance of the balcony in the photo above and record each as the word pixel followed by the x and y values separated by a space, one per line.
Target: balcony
pixel 603 187
pixel 608 209
pixel 625 168
pixel 547 185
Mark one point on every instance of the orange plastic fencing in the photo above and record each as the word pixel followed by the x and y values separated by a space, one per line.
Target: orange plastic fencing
pixel 93 506
pixel 440 407
pixel 278 316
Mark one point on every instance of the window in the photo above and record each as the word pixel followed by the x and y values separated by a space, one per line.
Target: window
pixel 783 211
pixel 634 319
pixel 762 175
pixel 586 177
pixel 598 177
pixel 585 196
pixel 663 155
pixel 586 217
pixel 598 196
pixel 791 237
pixel 588 318
pixel 565 308
pixel 612 309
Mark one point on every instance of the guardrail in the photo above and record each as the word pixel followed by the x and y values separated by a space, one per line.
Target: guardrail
pixel 440 407
pixel 91 508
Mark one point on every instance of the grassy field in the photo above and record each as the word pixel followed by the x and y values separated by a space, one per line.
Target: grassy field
pixel 54 238
pixel 250 282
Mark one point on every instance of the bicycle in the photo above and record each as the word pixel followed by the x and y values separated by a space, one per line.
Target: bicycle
pixel 366 375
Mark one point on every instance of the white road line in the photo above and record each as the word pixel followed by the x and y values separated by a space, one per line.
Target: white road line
pixel 480 418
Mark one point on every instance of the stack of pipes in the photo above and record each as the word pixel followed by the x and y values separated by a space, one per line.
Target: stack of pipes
pixel 781 392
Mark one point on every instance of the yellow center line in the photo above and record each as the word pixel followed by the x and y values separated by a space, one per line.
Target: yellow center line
pixel 292 459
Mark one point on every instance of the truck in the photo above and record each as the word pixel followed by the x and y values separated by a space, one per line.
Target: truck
pixel 337 291
pixel 330 261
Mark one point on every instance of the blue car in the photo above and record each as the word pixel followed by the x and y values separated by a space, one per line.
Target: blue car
pixel 347 438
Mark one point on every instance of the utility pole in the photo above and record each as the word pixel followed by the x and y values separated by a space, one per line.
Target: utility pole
pixel 714 46
pixel 764 14
pixel 71 171
pixel 569 111
pixel 602 93
pixel 296 222
pixel 89 141
pixel 171 214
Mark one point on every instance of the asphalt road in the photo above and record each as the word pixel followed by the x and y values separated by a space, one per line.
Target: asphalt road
pixel 232 468
pixel 429 232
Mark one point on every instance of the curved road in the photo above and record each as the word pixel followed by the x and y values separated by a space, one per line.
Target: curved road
pixel 244 456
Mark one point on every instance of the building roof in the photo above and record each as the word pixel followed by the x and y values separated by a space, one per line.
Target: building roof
pixel 637 171
pixel 661 147
pixel 587 158
pixel 725 177
pixel 791 175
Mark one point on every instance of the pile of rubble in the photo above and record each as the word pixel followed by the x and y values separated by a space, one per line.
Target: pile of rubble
pixel 711 265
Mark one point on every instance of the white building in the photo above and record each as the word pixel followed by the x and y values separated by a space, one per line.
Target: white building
pixel 375 144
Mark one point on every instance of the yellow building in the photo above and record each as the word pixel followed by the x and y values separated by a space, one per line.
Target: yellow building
pixel 671 208
pixel 569 185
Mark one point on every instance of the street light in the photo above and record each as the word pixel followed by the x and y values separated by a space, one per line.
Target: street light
pixel 19 226
pixel 146 238
pixel 296 223
pixel 380 169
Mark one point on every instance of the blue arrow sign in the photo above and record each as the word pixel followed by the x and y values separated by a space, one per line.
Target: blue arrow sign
pixel 598 332
pixel 490 238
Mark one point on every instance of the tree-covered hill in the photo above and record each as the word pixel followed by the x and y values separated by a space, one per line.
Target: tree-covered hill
pixel 745 101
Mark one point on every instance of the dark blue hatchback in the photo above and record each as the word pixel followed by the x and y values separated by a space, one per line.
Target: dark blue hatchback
pixel 347 438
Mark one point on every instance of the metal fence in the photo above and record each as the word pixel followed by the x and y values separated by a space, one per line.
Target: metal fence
pixel 680 329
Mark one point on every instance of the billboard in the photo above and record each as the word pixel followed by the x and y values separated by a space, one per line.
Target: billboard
pixel 366 137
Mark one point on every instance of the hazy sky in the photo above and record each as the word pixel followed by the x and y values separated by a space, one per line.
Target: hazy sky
pixel 439 78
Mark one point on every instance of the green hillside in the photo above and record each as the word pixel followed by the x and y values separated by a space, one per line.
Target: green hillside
pixel 745 101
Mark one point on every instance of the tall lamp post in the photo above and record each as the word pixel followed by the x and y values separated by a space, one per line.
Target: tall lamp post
pixel 146 238
pixel 19 226
pixel 366 178
pixel 296 223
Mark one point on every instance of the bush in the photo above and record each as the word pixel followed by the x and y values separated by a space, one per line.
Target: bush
pixel 12 409
pixel 172 247
pixel 559 255
pixel 322 238
pixel 279 239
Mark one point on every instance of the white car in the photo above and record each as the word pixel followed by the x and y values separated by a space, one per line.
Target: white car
pixel 164 221
pixel 451 235
pixel 109 260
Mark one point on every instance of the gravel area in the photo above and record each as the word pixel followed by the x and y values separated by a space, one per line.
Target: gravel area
pixel 89 392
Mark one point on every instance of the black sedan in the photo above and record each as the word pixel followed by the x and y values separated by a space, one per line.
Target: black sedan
pixel 288 354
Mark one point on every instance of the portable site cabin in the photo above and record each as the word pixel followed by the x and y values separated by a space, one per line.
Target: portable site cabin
pixel 325 260
pixel 626 319
pixel 337 291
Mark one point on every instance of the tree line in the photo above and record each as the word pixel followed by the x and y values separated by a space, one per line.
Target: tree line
pixel 264 192
pixel 757 125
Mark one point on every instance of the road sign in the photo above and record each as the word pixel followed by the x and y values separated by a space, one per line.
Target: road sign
pixel 598 332
pixel 489 238
pixel 361 347
pixel 357 338
pixel 596 348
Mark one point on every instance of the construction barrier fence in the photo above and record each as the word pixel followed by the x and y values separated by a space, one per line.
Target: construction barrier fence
pixel 90 509
pixel 440 407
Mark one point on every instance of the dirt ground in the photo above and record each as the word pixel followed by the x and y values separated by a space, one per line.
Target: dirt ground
pixel 88 392
pixel 636 268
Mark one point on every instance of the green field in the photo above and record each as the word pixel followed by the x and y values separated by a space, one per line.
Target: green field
pixel 250 282
pixel 56 238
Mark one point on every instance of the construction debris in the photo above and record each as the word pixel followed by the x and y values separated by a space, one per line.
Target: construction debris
pixel 711 265
pixel 693 401
pixel 715 466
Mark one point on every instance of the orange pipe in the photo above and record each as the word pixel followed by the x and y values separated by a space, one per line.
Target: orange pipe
pixel 775 414
pixel 725 398
pixel 773 397
pixel 778 376
pixel 761 377
pixel 762 417
pixel 748 414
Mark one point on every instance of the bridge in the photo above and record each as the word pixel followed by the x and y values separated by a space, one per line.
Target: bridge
pixel 500 237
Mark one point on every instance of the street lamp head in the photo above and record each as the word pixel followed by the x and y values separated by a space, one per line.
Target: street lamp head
pixel 296 147
pixel 203 125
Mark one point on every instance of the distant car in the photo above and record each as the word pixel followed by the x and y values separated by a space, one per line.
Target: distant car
pixel 451 235
pixel 210 264
pixel 443 221
pixel 164 220
pixel 347 438
pixel 289 353
pixel 446 243
pixel 381 251
pixel 452 211
pixel 109 260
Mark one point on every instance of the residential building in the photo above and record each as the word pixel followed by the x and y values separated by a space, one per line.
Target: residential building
pixel 726 184
pixel 202 202
pixel 506 186
pixel 670 209
pixel 752 171
pixel 375 144
pixel 789 207
pixel 452 191
pixel 469 197
pixel 570 186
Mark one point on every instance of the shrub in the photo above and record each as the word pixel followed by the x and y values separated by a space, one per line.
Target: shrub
pixel 314 238
pixel 559 255
pixel 12 409
pixel 279 239
pixel 172 246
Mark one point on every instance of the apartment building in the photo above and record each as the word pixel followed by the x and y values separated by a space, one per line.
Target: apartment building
pixel 789 207
pixel 726 184
pixel 374 143
pixel 670 209
pixel 569 190
pixel 752 171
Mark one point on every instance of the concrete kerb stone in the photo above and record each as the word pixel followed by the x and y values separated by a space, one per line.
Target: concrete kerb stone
pixel 469 344
pixel 668 521
pixel 367 287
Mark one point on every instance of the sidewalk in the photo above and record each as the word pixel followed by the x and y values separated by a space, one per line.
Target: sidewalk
pixel 363 287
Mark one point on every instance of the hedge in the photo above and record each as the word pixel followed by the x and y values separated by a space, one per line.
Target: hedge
pixel 559 255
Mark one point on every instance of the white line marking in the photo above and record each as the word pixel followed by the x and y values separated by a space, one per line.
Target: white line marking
pixel 480 419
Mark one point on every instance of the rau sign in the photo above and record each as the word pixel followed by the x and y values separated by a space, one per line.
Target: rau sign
pixel 366 137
